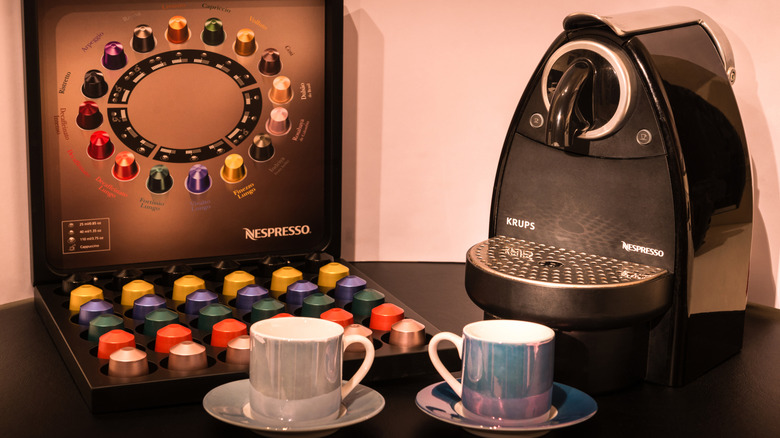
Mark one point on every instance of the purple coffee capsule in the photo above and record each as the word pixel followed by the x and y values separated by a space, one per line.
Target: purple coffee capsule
pixel 145 304
pixel 299 290
pixel 347 287
pixel 114 57
pixel 248 295
pixel 198 300
pixel 198 179
pixel 93 308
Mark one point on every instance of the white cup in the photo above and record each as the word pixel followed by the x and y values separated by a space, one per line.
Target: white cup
pixel 295 368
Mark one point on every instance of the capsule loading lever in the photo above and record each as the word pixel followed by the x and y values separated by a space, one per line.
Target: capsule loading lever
pixel 565 119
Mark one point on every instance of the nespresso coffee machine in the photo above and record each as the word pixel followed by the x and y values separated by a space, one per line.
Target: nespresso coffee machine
pixel 622 208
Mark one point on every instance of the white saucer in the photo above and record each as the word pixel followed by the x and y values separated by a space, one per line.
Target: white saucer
pixel 569 406
pixel 230 403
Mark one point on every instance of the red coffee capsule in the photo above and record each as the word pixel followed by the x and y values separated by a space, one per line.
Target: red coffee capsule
pixel 113 341
pixel 225 330
pixel 339 316
pixel 125 167
pixel 100 145
pixel 281 315
pixel 384 316
pixel 171 335
pixel 89 116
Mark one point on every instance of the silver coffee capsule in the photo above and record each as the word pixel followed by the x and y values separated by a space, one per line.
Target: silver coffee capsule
pixel 238 350
pixel 128 362
pixel 187 356
pixel 407 333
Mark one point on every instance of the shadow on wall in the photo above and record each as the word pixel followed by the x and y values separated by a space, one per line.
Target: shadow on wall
pixel 361 148
pixel 762 287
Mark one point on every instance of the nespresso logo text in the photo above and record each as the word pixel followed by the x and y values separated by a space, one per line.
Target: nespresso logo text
pixel 520 223
pixel 630 247
pixel 264 233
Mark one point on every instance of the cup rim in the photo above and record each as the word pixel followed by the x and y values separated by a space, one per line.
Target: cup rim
pixel 292 329
pixel 509 331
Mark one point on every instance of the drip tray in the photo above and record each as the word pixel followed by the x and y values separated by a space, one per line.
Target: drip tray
pixel 563 288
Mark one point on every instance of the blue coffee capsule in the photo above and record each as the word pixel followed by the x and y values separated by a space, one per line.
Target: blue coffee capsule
pixel 142 306
pixel 92 308
pixel 198 300
pixel 347 287
pixel 298 291
pixel 248 295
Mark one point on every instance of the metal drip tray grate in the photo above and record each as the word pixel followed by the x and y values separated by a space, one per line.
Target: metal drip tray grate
pixel 522 260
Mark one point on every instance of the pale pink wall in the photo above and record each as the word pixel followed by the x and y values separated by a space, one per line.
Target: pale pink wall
pixel 429 89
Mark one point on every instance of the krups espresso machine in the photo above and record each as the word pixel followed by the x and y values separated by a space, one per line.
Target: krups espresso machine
pixel 622 208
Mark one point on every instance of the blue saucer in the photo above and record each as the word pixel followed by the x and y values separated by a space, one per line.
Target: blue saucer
pixel 569 406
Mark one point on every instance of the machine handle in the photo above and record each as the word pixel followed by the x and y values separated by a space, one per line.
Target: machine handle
pixel 564 121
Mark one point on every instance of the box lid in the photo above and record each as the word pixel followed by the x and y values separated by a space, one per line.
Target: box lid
pixel 186 133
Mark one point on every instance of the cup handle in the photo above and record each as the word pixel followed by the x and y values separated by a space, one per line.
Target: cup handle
pixel 433 352
pixel 347 387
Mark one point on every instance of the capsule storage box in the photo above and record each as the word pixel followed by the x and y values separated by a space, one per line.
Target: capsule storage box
pixel 185 158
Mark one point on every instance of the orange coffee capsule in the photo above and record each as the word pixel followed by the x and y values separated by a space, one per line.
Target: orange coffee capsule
pixel 113 341
pixel 171 335
pixel 384 316
pixel 339 316
pixel 225 330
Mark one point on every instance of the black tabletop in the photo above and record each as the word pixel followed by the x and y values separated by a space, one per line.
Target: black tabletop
pixel 741 397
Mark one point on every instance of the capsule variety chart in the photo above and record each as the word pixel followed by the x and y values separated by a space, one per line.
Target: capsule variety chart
pixel 184 130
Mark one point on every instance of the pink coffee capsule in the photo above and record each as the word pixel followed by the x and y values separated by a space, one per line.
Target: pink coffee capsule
pixel 357 329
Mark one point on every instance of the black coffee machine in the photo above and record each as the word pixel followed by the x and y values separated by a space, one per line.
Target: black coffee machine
pixel 622 206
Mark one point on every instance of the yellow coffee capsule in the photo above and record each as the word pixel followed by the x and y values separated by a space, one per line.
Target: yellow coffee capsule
pixel 82 294
pixel 178 31
pixel 283 277
pixel 135 290
pixel 233 170
pixel 330 274
pixel 235 281
pixel 245 43
pixel 186 285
